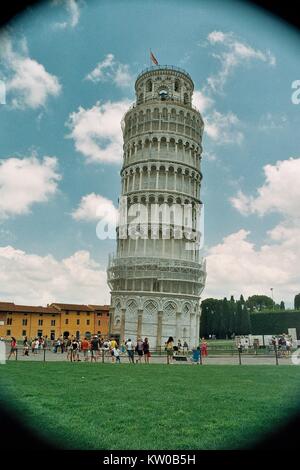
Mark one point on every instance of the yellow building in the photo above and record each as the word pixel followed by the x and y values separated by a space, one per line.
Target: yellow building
pixel 53 321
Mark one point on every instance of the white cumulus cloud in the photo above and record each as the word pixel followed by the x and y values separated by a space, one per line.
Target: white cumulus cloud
pixel 25 181
pixel 94 207
pixel 28 278
pixel 73 11
pixel 234 54
pixel 28 83
pixel 223 128
pixel 97 131
pixel 109 69
pixel 236 266
pixel 280 192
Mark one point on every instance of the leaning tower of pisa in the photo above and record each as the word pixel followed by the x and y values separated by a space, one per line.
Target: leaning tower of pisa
pixel 156 275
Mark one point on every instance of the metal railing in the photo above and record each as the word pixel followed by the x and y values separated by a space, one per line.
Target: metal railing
pixel 153 68
pixel 216 355
pixel 166 101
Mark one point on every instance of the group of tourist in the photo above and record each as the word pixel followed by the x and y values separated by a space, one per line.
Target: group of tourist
pixel 90 349
pixel 283 343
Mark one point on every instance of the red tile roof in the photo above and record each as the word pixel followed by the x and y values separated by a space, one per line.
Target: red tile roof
pixel 11 307
pixel 81 308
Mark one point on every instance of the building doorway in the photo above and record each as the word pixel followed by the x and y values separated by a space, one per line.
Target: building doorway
pixel 66 334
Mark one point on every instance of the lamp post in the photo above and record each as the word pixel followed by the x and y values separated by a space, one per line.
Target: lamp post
pixel 271 289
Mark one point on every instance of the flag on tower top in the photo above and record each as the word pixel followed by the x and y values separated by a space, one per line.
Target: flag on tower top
pixel 153 58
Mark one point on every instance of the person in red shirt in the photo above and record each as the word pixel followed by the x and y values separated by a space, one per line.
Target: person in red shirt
pixel 204 352
pixel 13 347
pixel 85 346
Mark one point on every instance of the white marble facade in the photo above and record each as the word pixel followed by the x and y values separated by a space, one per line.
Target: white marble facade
pixel 156 280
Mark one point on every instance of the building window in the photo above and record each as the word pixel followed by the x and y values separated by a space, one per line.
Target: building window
pixel 52 335
pixel 163 94
pixel 99 322
pixel 24 322
pixel 98 332
pixel 40 333
pixel 88 314
pixel 24 333
pixel 107 314
pixel 8 332
pixel 52 322
pixel 66 321
pixel 9 321
pixel 99 314
pixel 149 86
pixel 78 313
pixel 78 321
pixel 40 322
pixel 88 322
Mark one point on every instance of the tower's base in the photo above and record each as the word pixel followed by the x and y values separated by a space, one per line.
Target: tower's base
pixel 155 316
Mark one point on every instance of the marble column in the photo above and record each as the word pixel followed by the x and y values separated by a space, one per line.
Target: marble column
pixel 139 324
pixel 122 329
pixel 159 328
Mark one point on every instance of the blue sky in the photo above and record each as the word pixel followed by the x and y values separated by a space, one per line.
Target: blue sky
pixel 69 68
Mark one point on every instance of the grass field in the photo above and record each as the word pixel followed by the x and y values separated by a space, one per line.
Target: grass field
pixel 107 406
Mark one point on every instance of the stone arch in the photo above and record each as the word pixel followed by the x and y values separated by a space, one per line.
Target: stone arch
pixel 131 306
pixel 141 117
pixel 186 309
pixel 169 308
pixel 177 85
pixel 163 143
pixel 172 144
pixel 155 143
pixel 155 113
pixel 148 115
pixel 150 306
pixel 149 86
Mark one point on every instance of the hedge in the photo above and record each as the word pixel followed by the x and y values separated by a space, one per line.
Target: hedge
pixel 268 323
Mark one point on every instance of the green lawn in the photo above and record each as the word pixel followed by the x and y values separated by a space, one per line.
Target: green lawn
pixel 111 406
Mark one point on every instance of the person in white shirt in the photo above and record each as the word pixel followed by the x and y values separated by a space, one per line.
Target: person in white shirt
pixel 116 354
pixel 130 350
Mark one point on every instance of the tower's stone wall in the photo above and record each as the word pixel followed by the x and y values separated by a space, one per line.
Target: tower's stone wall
pixel 156 279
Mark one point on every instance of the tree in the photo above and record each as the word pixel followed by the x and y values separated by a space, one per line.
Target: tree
pixel 297 302
pixel 232 316
pixel 243 325
pixel 259 302
pixel 282 306
pixel 208 317
pixel 225 315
